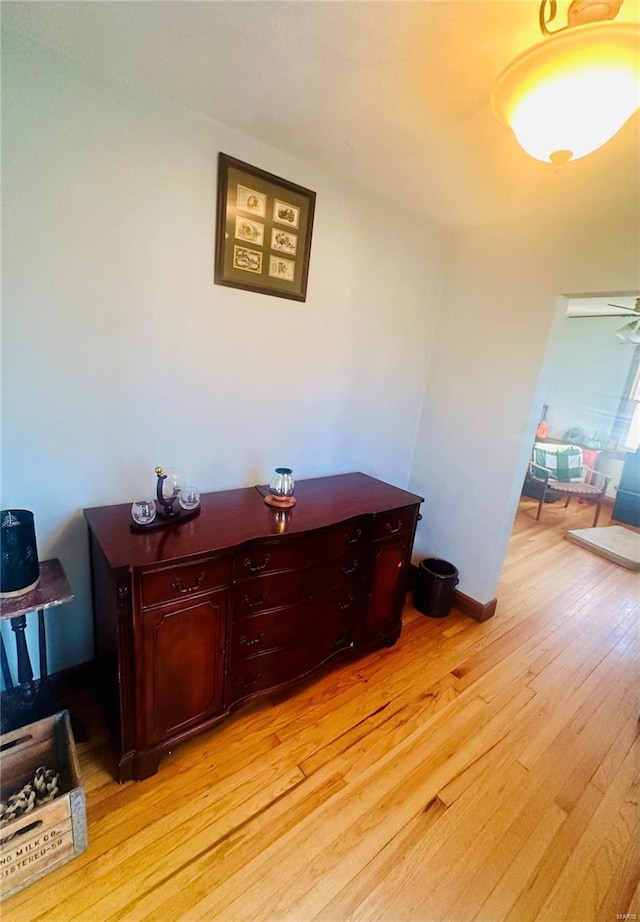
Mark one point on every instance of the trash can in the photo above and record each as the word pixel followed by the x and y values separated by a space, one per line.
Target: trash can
pixel 435 585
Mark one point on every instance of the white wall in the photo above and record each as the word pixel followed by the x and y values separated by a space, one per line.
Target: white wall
pixel 119 352
pixel 485 389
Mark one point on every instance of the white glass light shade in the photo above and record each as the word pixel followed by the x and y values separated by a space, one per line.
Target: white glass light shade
pixel 630 333
pixel 569 94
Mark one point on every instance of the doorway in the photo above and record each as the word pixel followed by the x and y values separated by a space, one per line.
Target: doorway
pixel 590 395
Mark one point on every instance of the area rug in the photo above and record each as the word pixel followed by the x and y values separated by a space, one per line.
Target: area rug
pixel 616 543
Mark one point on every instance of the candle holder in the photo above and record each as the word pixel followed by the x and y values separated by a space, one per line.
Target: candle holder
pixel 174 503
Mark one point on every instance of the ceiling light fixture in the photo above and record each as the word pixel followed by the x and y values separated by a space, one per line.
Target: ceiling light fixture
pixel 572 92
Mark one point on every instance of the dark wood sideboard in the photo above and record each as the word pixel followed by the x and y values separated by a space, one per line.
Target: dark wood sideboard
pixel 192 620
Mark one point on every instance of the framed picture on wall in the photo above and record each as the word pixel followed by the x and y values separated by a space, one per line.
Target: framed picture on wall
pixel 263 231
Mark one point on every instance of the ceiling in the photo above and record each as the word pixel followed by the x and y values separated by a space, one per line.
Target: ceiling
pixel 392 96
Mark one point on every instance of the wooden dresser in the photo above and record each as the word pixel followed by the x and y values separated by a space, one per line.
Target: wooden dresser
pixel 194 619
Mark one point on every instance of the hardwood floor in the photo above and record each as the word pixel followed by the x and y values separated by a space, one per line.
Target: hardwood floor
pixel 472 772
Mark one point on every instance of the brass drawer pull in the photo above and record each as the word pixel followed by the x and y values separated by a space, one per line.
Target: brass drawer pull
pixel 252 603
pixel 244 641
pixel 352 569
pixel 355 538
pixel 390 528
pixel 249 683
pixel 177 584
pixel 259 566
pixel 347 604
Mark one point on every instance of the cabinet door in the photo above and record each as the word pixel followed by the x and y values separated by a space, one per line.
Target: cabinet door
pixel 383 617
pixel 181 667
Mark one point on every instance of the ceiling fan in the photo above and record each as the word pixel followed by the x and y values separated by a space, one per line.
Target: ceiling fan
pixel 629 333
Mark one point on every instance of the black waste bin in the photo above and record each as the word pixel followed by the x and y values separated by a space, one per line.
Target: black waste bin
pixel 435 585
pixel 534 488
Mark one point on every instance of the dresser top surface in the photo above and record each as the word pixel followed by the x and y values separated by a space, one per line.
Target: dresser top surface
pixel 232 517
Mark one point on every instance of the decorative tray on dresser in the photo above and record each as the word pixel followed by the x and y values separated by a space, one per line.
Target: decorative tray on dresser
pixel 192 620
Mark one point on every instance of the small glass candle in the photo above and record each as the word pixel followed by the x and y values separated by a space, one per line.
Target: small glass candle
pixel 282 484
pixel 143 511
pixel 189 498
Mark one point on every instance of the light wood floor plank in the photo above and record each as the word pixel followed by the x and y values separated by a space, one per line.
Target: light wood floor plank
pixel 370 811
pixel 603 847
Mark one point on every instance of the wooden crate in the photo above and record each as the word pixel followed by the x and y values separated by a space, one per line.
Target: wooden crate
pixel 40 841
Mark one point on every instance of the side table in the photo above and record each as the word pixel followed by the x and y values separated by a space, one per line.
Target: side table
pixel 31 700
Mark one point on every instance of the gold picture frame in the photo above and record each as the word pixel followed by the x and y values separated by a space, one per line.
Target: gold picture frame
pixel 263 231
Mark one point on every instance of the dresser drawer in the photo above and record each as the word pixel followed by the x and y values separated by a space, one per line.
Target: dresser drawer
pixel 266 671
pixel 318 631
pixel 333 613
pixel 284 627
pixel 394 522
pixel 333 628
pixel 293 552
pixel 284 587
pixel 185 580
